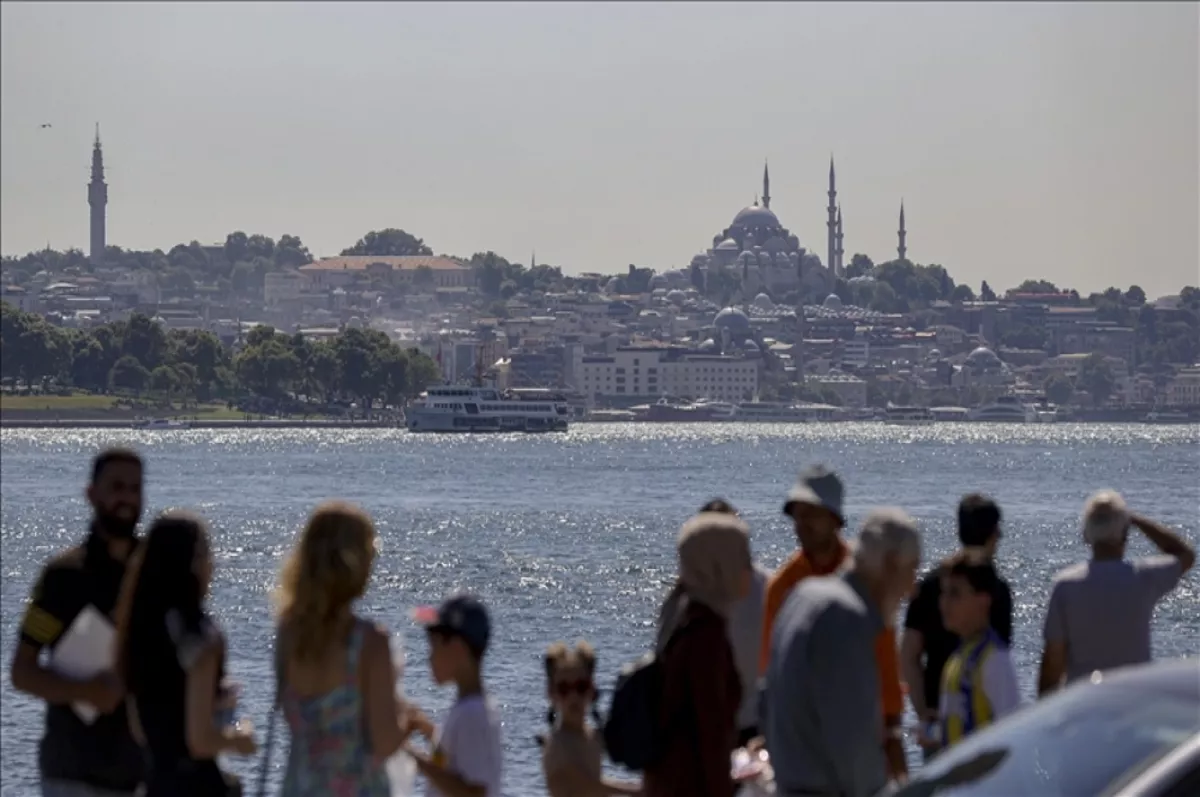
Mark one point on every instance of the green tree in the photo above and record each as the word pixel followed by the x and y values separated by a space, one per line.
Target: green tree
pixel 490 272
pixel 163 380
pixel 290 252
pixel 859 266
pixel 1058 389
pixel 1036 286
pixel 145 341
pixel 986 294
pixel 129 374
pixel 962 293
pixel 422 372
pixel 1135 295
pixel 1096 377
pixel 388 243
pixel 268 368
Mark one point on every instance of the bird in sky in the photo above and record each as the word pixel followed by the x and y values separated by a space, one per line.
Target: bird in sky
pixel 47 124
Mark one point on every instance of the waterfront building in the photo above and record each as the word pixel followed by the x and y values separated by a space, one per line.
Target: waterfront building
pixel 644 372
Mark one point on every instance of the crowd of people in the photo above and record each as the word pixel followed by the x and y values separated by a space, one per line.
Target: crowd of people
pixel 804 663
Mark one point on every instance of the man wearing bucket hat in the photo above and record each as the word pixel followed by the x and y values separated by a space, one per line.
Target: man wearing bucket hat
pixel 815 505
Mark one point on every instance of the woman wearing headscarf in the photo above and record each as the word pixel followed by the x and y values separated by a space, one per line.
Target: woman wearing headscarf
pixel 701 687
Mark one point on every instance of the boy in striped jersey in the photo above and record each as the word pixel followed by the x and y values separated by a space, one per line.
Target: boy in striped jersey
pixel 979 682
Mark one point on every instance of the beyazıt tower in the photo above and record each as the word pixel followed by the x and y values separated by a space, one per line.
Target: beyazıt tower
pixel 98 201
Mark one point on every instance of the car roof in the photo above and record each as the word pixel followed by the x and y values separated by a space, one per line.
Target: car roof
pixel 1178 676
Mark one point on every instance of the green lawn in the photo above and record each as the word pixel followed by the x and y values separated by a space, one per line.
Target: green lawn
pixel 80 401
pixel 92 404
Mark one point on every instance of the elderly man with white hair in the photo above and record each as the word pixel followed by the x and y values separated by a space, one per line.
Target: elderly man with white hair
pixel 821 711
pixel 1099 612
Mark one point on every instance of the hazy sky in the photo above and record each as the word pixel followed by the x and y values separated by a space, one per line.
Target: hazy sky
pixel 1035 140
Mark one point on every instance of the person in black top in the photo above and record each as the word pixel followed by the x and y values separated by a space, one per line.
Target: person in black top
pixel 926 644
pixel 172 657
pixel 74 757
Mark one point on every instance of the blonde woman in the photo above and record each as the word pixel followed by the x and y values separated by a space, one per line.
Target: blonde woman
pixel 337 680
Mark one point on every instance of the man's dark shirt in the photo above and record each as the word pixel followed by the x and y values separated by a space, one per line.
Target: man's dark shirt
pixel 103 754
pixel 925 615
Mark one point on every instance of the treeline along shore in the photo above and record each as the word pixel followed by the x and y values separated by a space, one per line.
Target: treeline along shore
pixel 136 368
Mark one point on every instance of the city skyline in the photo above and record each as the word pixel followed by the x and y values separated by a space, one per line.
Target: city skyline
pixel 597 203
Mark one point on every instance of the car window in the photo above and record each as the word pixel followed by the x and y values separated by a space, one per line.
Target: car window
pixel 1075 744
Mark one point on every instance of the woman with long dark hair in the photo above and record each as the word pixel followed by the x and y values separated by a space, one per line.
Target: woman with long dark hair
pixel 171 655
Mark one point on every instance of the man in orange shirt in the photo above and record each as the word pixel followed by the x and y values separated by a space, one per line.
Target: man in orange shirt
pixel 815 506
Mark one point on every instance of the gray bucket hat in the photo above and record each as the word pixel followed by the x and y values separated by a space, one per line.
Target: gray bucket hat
pixel 817 486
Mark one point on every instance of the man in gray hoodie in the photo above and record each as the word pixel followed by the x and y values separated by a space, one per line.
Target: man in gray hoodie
pixel 822 716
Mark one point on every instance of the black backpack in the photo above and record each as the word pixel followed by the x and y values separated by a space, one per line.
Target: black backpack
pixel 633 732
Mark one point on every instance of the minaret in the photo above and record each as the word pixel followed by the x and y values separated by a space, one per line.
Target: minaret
pixel 533 260
pixel 766 186
pixel 831 224
pixel 839 251
pixel 98 200
pixel 902 250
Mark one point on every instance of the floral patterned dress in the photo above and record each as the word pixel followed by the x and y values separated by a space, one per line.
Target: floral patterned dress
pixel 330 755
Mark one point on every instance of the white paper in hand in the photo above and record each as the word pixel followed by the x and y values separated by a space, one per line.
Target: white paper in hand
pixel 85 651
pixel 401 769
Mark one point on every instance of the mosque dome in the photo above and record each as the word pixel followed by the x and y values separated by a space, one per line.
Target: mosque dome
pixel 756 216
pixel 762 300
pixel 832 302
pixel 732 319
pixel 677 296
pixel 708 345
pixel 983 357
pixel 658 281
pixel 727 245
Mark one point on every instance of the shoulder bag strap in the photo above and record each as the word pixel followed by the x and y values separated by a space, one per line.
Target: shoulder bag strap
pixel 265 765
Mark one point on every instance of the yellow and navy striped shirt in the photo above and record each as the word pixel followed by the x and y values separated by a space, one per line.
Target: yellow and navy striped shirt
pixel 979 685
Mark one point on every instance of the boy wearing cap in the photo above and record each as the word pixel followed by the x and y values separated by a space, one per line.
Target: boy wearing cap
pixel 466 759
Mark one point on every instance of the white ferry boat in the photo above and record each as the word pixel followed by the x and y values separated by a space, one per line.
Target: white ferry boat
pixel 1005 409
pixel 160 423
pixel 457 408
pixel 1166 416
pixel 908 416
pixel 768 412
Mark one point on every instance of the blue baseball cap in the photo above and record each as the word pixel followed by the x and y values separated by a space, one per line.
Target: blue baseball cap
pixel 459 615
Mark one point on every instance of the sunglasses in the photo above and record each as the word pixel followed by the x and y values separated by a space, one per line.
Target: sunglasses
pixel 568 688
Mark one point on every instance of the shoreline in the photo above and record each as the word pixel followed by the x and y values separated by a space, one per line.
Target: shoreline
pixel 230 423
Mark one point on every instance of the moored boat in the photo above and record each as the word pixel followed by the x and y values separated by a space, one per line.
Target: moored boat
pixel 459 408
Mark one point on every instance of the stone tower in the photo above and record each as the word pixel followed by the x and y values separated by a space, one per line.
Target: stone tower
pixel 901 248
pixel 831 224
pixel 98 200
